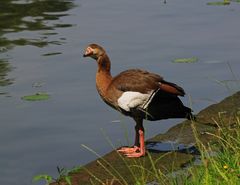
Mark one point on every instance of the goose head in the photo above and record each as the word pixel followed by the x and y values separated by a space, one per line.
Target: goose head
pixel 94 51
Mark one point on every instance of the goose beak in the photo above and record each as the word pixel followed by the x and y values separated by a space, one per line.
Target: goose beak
pixel 89 52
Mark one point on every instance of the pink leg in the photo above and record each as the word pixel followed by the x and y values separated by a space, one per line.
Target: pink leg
pixel 141 151
pixel 128 150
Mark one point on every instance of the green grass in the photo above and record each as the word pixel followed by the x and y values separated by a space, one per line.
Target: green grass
pixel 220 160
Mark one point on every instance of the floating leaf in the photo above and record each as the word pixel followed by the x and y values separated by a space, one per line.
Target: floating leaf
pixel 36 97
pixel 50 54
pixel 219 3
pixel 185 60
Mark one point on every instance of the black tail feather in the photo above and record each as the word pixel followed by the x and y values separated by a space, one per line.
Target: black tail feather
pixel 164 105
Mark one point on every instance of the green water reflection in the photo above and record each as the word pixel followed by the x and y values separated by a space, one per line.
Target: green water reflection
pixel 29 22
pixel 4 69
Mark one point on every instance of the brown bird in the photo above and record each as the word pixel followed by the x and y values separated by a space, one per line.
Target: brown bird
pixel 138 94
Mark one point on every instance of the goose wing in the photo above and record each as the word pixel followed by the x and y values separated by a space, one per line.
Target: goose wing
pixel 136 80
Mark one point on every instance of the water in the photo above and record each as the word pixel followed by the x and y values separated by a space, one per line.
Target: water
pixel 41 47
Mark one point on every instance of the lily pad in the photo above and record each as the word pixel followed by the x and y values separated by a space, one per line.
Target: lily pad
pixel 219 3
pixel 36 97
pixel 185 60
pixel 50 54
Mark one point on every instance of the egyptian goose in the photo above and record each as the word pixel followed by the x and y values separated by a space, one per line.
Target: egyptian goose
pixel 138 94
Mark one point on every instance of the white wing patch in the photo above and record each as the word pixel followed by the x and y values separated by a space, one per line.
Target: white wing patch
pixel 132 99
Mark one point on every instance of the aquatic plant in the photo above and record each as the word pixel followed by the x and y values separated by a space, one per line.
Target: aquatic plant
pixel 219 3
pixel 36 97
pixel 185 60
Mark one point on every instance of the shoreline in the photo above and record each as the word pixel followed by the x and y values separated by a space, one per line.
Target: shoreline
pixel 113 168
